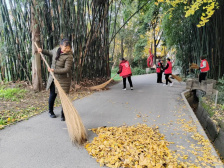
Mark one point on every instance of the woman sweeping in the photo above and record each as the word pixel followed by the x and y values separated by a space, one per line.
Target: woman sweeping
pixel 125 72
pixel 168 72
pixel 62 61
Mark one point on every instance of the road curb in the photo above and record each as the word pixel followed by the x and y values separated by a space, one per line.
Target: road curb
pixel 199 127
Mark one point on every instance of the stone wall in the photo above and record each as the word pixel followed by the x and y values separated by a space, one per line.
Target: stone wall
pixel 205 85
pixel 215 133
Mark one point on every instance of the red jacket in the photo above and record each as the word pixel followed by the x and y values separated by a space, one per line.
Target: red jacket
pixel 169 69
pixel 124 69
pixel 206 69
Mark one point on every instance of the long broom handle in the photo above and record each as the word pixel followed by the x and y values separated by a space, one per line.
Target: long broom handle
pixel 114 76
pixel 42 56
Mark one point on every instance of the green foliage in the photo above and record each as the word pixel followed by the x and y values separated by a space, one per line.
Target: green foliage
pixel 207 107
pixel 117 77
pixel 115 70
pixel 138 71
pixel 220 88
pixel 220 84
pixel 3 122
pixel 151 71
pixel 139 47
pixel 13 94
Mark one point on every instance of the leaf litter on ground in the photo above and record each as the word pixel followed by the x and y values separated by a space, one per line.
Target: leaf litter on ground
pixel 133 146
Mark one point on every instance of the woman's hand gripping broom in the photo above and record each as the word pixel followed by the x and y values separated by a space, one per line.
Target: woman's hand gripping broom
pixel 76 129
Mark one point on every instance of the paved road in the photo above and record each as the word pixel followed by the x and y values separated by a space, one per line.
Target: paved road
pixel 42 142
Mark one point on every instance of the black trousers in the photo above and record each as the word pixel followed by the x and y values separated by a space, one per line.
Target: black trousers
pixel 159 77
pixel 167 79
pixel 52 98
pixel 202 76
pixel 129 80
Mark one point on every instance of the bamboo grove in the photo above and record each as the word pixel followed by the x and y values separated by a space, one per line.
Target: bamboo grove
pixel 86 23
pixel 92 25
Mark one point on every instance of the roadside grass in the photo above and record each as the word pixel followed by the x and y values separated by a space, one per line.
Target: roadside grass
pixel 19 102
pixel 12 94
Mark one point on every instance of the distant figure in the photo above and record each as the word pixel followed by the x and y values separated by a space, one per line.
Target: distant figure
pixel 159 71
pixel 125 72
pixel 150 59
pixel 168 72
pixel 204 68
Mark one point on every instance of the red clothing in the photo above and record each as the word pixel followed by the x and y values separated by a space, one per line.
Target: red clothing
pixel 205 69
pixel 158 69
pixel 124 69
pixel 168 69
pixel 150 60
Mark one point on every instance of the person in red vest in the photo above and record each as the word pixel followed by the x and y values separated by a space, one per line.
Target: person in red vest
pixel 168 72
pixel 159 71
pixel 204 68
pixel 125 72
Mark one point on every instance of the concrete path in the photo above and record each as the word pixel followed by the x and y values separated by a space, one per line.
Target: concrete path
pixel 43 142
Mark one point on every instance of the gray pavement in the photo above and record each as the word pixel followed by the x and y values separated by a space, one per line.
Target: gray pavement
pixel 43 142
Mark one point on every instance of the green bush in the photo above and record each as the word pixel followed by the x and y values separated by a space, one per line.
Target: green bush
pixel 151 71
pixel 220 88
pixel 12 94
pixel 138 71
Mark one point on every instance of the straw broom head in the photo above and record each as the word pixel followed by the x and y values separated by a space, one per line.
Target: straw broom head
pixel 101 86
pixel 179 79
pixel 194 66
pixel 74 123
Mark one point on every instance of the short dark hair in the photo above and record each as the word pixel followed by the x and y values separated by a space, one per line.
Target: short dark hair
pixel 168 59
pixel 122 59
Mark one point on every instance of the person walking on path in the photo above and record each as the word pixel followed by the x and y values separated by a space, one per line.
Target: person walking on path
pixel 125 72
pixel 168 72
pixel 62 61
pixel 204 68
pixel 159 71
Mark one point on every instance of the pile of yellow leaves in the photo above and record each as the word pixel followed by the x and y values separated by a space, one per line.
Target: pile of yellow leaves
pixel 131 146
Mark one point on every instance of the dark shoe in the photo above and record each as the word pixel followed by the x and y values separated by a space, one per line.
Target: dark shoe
pixel 62 118
pixel 52 115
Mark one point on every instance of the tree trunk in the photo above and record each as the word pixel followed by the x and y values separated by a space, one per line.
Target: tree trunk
pixel 155 46
pixel 36 61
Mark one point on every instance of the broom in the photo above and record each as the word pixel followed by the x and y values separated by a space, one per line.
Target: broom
pixel 194 66
pixel 74 123
pixel 179 79
pixel 103 84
